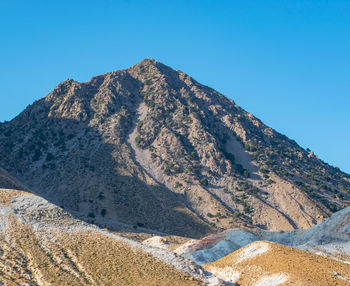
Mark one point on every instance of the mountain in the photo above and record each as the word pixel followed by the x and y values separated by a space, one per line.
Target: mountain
pixel 151 147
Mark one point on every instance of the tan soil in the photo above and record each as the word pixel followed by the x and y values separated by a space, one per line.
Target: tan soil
pixel 59 250
pixel 7 195
pixel 301 267
pixel 115 263
pixel 173 241
pixel 79 258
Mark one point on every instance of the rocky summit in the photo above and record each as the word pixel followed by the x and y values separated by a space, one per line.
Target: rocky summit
pixel 151 148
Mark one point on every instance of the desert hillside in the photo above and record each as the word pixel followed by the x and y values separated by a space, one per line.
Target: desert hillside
pixel 41 244
pixel 151 147
pixel 266 263
pixel 329 238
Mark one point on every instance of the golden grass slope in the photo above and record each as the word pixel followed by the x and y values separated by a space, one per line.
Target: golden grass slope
pixel 268 263
pixel 32 255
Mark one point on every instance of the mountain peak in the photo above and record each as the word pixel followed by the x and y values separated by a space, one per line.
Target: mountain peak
pixel 150 146
pixel 145 63
pixel 149 64
pixel 148 61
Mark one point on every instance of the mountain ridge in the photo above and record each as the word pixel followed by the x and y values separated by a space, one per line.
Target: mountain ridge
pixel 195 157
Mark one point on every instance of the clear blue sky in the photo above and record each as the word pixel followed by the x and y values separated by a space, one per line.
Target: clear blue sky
pixel 287 62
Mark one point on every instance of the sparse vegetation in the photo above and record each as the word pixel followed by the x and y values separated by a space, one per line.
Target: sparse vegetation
pixel 204 181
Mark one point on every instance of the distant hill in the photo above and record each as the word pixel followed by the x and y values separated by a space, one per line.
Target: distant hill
pixel 151 147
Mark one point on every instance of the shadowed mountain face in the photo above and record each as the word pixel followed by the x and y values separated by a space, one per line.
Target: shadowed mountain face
pixel 151 147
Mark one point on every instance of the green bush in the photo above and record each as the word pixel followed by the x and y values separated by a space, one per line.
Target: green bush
pixel 332 207
pixel 264 171
pixel 167 171
pixel 236 214
pixel 246 173
pixel 204 182
pixel 138 140
pixel 139 126
pixel 178 184
pixel 249 147
pixel 194 155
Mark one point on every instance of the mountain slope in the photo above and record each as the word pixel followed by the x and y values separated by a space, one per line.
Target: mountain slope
pixel 41 244
pixel 329 238
pixel 267 263
pixel 150 146
pixel 7 182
